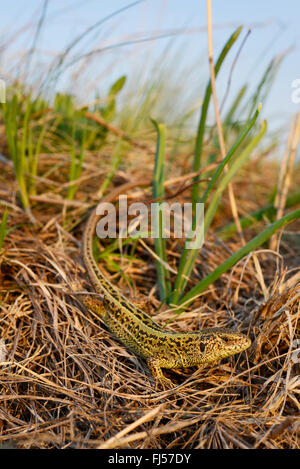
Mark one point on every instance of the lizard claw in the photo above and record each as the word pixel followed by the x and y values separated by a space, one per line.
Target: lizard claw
pixel 164 384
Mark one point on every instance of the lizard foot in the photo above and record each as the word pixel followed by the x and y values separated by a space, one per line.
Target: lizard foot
pixel 160 380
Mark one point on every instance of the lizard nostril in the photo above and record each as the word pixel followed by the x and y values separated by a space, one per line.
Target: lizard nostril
pixel 202 346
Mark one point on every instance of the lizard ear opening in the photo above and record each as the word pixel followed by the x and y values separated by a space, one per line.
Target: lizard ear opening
pixel 202 346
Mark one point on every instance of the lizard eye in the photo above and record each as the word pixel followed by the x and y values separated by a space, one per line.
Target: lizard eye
pixel 226 339
pixel 207 337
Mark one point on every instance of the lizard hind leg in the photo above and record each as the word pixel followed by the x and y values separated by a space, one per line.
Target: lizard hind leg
pixel 95 305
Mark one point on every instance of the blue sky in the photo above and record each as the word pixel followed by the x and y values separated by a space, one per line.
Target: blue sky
pixel 274 29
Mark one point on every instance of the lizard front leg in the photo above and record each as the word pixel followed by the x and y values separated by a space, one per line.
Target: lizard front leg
pixel 154 366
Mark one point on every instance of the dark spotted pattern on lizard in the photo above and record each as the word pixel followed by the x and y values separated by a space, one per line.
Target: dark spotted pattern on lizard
pixel 146 338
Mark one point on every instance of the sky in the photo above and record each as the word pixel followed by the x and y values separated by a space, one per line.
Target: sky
pixel 180 31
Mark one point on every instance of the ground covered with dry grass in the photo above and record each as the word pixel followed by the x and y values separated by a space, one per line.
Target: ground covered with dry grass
pixel 67 383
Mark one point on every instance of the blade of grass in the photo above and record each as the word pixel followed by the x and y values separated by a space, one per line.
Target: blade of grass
pixel 76 163
pixel 164 285
pixel 20 163
pixel 221 140
pixel 228 124
pixel 204 110
pixel 25 135
pixel 116 159
pixel 269 211
pixel 237 256
pixel 286 172
pixel 229 116
pixel 227 177
pixel 18 148
pixel 229 155
pixel 189 256
pixel 35 160
pixel 264 86
pixel 3 226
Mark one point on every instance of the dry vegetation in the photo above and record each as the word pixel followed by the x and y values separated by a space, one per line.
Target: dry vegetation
pixel 66 382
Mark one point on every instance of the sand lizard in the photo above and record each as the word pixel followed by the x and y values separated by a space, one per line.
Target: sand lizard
pixel 142 335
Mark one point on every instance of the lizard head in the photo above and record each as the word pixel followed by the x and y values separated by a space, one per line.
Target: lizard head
pixel 217 343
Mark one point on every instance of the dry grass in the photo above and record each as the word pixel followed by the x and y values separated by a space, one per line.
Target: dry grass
pixel 65 382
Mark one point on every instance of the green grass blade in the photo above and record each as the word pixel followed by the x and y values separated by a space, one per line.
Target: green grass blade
pixel 3 227
pixel 116 159
pixel 230 154
pixel 158 219
pixel 35 159
pixel 204 110
pixel 265 84
pixel 25 135
pixel 17 148
pixel 237 256
pixel 11 128
pixel 76 163
pixel 229 116
pixel 269 211
pixel 227 177
pixel 189 256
